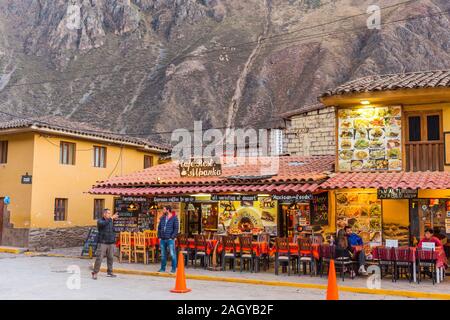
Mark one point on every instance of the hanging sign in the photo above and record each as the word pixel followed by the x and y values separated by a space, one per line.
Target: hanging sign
pixel 200 168
pixel 233 197
pixel 27 179
pixel 293 198
pixel 184 199
pixel 391 193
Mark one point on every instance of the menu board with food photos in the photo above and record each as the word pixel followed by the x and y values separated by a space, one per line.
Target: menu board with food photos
pixel 369 139
pixel 362 212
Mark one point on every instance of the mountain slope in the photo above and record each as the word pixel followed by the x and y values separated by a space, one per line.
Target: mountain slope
pixel 143 66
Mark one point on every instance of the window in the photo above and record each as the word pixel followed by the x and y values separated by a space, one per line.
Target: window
pixel 148 162
pixel 433 125
pixel 414 128
pixel 60 209
pixel 99 157
pixel 67 153
pixel 99 205
pixel 3 151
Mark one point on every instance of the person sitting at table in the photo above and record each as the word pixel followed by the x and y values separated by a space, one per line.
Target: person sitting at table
pixel 353 241
pixel 344 250
pixel 429 237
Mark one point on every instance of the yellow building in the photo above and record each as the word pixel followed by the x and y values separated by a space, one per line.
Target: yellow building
pixel 392 155
pixel 46 167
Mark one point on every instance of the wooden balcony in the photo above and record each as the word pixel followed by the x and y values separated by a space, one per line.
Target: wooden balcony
pixel 424 156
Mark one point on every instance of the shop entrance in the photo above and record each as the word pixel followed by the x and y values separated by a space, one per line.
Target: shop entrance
pixel 201 218
pixel 293 217
pixel 428 213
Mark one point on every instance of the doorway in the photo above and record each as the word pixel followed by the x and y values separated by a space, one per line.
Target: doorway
pixel 428 213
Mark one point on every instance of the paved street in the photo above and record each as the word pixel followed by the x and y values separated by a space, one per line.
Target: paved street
pixel 24 277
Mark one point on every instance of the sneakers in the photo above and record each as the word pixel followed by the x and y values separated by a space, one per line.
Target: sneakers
pixel 362 270
pixel 111 275
pixel 161 270
pixel 94 276
pixel 173 271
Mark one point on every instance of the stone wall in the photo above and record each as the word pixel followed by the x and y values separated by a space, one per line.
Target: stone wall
pixel 14 237
pixel 311 133
pixel 45 239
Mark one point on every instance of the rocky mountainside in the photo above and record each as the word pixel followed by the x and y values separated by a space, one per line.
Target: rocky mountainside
pixel 143 66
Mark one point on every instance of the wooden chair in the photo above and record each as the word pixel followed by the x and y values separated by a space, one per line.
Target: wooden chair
pixel 264 258
pixel 283 254
pixel 229 252
pixel 139 246
pixel 200 250
pixel 305 255
pixel 386 261
pixel 125 245
pixel 426 263
pixel 183 247
pixel 150 234
pixel 403 263
pixel 246 251
pixel 327 253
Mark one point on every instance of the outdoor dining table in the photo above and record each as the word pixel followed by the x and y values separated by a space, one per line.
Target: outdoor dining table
pixel 441 262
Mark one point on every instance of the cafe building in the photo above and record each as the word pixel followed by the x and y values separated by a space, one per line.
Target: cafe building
pixel 279 195
pixel 392 156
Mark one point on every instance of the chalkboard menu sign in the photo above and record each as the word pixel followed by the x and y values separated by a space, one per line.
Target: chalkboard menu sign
pixel 91 241
pixel 391 193
pixel 134 214
pixel 319 209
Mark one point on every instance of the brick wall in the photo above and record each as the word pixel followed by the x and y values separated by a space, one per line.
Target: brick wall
pixel 312 133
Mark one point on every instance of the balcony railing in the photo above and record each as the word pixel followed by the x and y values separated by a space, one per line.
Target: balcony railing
pixel 424 155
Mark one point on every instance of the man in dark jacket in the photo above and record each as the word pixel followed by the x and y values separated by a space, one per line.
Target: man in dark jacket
pixel 167 232
pixel 107 241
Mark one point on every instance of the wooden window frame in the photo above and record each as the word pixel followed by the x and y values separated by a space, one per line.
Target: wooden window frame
pixel 423 125
pixel 4 152
pixel 60 209
pixel 98 210
pixel 152 161
pixel 97 162
pixel 72 161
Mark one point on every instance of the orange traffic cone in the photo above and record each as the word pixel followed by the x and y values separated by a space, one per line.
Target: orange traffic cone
pixel 332 290
pixel 180 282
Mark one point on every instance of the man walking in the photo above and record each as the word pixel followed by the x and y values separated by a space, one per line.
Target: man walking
pixel 107 240
pixel 167 232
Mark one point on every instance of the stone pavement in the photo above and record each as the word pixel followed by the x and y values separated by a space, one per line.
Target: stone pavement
pixel 39 277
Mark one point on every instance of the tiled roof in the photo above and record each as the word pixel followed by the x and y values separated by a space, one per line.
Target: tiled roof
pixel 304 109
pixel 411 80
pixel 290 170
pixel 404 180
pixel 79 128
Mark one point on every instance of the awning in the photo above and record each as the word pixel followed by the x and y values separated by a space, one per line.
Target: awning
pixel 378 180
pixel 179 190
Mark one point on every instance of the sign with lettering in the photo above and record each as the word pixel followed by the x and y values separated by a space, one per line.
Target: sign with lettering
pixel 428 245
pixel 233 197
pixel 27 179
pixel 91 241
pixel 293 198
pixel 200 168
pixel 391 193
pixel 183 199
pixel 391 243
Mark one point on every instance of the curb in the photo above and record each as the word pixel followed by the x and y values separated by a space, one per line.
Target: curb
pixel 12 250
pixel 53 255
pixel 388 292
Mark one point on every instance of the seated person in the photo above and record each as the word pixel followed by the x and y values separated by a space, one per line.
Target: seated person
pixel 429 237
pixel 355 240
pixel 344 250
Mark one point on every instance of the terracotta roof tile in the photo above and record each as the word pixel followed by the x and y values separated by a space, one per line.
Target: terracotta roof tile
pixel 295 169
pixel 404 180
pixel 79 128
pixel 411 80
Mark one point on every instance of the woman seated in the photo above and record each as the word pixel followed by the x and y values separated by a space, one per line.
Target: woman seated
pixel 429 237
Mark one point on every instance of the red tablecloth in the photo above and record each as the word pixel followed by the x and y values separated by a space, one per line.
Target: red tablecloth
pixel 293 248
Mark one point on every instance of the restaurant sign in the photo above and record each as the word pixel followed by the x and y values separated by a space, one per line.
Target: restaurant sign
pixel 398 193
pixel 233 197
pixel 200 168
pixel 293 198
pixel 183 199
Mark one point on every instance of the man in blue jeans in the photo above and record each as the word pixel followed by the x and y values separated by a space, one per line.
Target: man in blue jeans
pixel 167 232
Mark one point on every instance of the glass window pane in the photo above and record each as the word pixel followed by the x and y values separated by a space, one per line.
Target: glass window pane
pixel 433 127
pixel 414 128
